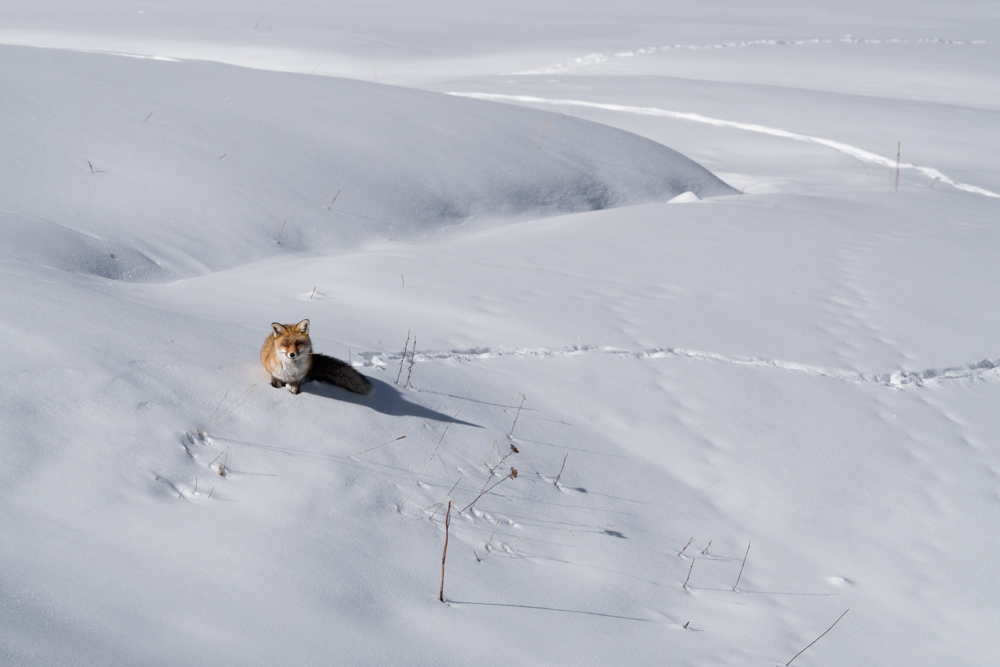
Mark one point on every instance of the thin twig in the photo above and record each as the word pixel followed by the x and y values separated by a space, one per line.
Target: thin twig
pixel 491 534
pixel 559 476
pixel 400 508
pixel 407 345
pixel 444 555
pixel 224 155
pixel 409 372
pixel 377 446
pixel 211 492
pixel 147 118
pixel 817 639
pixel 281 232
pixel 334 200
pixel 436 447
pixel 705 550
pixel 512 475
pixel 91 166
pixel 742 566
pixel 313 295
pixel 681 552
pixel 222 469
pixel 523 399
pixel 689 572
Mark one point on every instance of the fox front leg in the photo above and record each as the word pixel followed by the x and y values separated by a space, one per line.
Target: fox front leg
pixel 294 388
pixel 276 383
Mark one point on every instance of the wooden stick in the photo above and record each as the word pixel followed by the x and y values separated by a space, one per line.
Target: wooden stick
pixel 742 566
pixel 444 555
pixel 816 640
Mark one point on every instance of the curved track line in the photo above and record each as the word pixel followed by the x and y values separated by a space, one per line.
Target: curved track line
pixel 896 379
pixel 853 151
pixel 600 58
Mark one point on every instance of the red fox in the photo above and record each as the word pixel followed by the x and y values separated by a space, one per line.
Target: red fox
pixel 287 355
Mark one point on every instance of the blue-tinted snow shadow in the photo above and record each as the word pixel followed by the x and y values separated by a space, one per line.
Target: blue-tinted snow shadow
pixel 528 606
pixel 387 399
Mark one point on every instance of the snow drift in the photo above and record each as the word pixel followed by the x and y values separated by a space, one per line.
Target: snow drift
pixel 149 170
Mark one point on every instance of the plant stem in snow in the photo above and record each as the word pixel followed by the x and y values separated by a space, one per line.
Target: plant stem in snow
pixel 444 555
pixel 816 640
pixel 742 566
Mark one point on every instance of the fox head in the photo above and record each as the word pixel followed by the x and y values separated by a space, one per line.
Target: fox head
pixel 292 340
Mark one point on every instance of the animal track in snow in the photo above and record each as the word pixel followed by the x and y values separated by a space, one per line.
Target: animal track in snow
pixel 897 379
pixel 853 151
pixel 600 58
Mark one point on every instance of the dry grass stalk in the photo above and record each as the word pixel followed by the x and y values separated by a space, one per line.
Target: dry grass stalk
pixel 523 399
pixel 402 280
pixel 742 566
pixel 444 555
pixel 147 118
pixel 681 552
pixel 222 469
pixel 689 572
pixel 228 410
pixel 211 492
pixel 405 347
pixel 400 508
pixel 91 166
pixel 492 533
pixel 817 639
pixel 313 292
pixel 223 155
pixel 511 475
pixel 377 446
pixel 283 223
pixel 334 200
pixel 705 550
pixel 559 476
pixel 436 447
pixel 409 372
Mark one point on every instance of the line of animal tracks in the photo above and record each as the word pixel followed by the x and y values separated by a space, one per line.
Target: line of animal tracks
pixel 599 58
pixel 980 370
pixel 853 151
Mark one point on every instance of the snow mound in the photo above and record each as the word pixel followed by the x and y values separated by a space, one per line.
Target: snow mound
pixel 144 170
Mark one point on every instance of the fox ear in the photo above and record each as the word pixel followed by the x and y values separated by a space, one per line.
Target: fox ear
pixel 278 329
pixel 303 327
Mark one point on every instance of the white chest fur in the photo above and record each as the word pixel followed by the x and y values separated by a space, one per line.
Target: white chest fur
pixel 292 371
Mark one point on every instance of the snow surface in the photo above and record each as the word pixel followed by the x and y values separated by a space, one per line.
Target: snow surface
pixel 804 363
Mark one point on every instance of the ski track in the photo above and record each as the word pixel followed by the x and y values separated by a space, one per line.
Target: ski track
pixel 981 370
pixel 599 58
pixel 853 151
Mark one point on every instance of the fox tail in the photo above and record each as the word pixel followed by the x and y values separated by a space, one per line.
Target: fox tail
pixel 335 371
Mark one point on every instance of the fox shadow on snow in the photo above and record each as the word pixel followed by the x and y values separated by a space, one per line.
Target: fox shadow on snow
pixel 386 399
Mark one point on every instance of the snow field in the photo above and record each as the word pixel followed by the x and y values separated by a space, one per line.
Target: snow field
pixel 808 365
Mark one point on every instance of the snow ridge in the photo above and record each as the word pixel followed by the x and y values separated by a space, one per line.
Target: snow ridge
pixel 600 58
pixel 853 151
pixel 980 370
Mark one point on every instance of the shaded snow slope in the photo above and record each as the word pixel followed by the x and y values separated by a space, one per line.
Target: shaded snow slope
pixel 147 170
